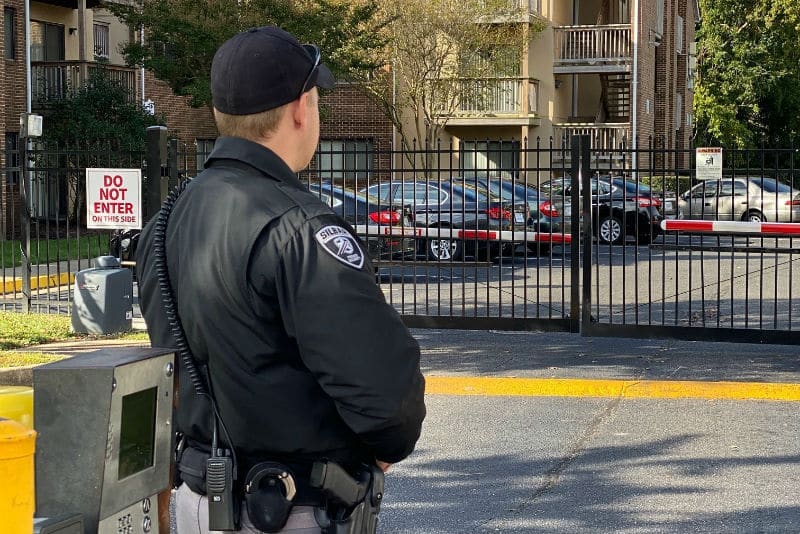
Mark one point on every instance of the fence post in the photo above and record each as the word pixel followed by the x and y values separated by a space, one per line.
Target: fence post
pixel 25 226
pixel 581 228
pixel 30 125
pixel 575 233
pixel 156 158
pixel 172 165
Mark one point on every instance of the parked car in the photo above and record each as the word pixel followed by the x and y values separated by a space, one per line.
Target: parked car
pixel 746 198
pixel 544 217
pixel 665 202
pixel 453 204
pixel 359 208
pixel 616 215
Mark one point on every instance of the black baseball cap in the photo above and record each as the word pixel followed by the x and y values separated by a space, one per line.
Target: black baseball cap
pixel 264 68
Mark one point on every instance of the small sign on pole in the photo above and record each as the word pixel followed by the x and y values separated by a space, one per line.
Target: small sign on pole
pixel 114 198
pixel 708 162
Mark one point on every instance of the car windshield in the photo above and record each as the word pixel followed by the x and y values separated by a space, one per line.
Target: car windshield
pixel 472 192
pixel 631 187
pixel 771 185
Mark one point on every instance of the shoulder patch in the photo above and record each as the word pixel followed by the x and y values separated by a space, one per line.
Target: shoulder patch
pixel 340 244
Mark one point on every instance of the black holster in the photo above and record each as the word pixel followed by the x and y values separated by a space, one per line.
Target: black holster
pixel 358 518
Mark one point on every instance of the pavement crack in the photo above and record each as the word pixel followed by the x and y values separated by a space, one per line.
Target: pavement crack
pixel 553 475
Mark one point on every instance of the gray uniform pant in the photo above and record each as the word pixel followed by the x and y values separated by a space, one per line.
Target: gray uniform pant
pixel 191 514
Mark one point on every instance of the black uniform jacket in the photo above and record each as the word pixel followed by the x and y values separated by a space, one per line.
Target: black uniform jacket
pixel 276 294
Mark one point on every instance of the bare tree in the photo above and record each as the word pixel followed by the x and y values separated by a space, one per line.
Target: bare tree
pixel 443 52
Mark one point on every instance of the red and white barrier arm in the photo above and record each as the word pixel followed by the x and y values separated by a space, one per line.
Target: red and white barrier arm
pixel 454 233
pixel 729 227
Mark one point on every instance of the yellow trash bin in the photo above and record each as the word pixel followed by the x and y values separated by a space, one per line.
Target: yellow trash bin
pixel 17 498
pixel 16 402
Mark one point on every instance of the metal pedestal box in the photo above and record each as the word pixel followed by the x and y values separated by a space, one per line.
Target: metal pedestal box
pixel 103 298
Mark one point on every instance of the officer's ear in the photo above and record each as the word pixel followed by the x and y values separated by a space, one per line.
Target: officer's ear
pixel 303 108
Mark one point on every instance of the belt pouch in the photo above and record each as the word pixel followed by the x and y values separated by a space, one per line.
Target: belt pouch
pixel 269 489
pixel 192 469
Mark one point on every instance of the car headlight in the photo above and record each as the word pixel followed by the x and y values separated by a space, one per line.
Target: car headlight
pixel 125 243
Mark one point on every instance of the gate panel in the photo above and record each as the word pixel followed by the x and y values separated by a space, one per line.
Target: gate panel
pixel 710 275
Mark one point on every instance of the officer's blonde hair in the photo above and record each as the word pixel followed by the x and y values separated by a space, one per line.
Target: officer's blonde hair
pixel 254 127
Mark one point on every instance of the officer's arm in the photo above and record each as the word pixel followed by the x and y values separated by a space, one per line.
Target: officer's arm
pixel 356 345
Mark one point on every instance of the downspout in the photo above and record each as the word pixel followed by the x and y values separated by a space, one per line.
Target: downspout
pixel 141 40
pixel 28 94
pixel 635 88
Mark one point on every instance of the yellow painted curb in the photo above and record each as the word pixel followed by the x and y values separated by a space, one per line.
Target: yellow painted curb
pixel 632 389
pixel 38 282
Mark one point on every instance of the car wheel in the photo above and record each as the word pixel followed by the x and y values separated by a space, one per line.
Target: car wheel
pixel 441 249
pixel 754 216
pixel 611 230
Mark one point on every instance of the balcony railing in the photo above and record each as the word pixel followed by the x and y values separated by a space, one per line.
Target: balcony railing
pixel 54 79
pixel 592 46
pixel 496 96
pixel 602 136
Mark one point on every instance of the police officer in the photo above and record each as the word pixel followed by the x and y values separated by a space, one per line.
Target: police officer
pixel 276 296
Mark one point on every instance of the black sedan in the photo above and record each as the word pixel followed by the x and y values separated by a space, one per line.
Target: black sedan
pixel 361 209
pixel 455 205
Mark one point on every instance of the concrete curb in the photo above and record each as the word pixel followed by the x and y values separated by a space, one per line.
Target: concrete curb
pixel 38 282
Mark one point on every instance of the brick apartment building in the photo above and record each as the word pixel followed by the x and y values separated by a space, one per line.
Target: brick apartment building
pixel 618 70
pixel 621 71
pixel 68 40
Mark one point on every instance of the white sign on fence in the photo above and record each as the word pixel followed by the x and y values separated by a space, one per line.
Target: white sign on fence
pixel 113 198
pixel 709 163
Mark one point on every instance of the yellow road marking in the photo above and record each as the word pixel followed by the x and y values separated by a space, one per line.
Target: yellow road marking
pixel 632 389
pixel 38 282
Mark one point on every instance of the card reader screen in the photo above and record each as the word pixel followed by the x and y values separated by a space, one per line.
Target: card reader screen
pixel 137 432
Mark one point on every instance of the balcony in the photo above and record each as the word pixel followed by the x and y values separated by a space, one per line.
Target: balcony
pixel 610 143
pixel 54 79
pixel 495 102
pixel 592 49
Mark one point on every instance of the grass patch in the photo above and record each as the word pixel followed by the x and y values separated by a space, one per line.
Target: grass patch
pixel 18 330
pixel 21 330
pixel 52 250
pixel 23 359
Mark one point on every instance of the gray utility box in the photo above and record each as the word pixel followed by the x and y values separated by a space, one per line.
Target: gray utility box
pixel 103 298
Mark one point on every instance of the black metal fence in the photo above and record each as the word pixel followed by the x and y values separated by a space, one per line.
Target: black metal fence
pixel 444 228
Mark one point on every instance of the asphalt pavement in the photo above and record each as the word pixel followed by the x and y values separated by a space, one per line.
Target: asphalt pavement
pixel 546 432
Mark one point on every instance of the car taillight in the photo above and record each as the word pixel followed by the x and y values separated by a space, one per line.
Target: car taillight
pixel 794 202
pixel 645 202
pixel 385 217
pixel 498 213
pixel 547 209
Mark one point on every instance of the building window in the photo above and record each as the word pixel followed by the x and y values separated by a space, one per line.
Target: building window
pixel 660 17
pixel 490 158
pixel 10 32
pixel 12 158
pixel 47 41
pixel 344 160
pixel 202 149
pixel 679 34
pixel 101 43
